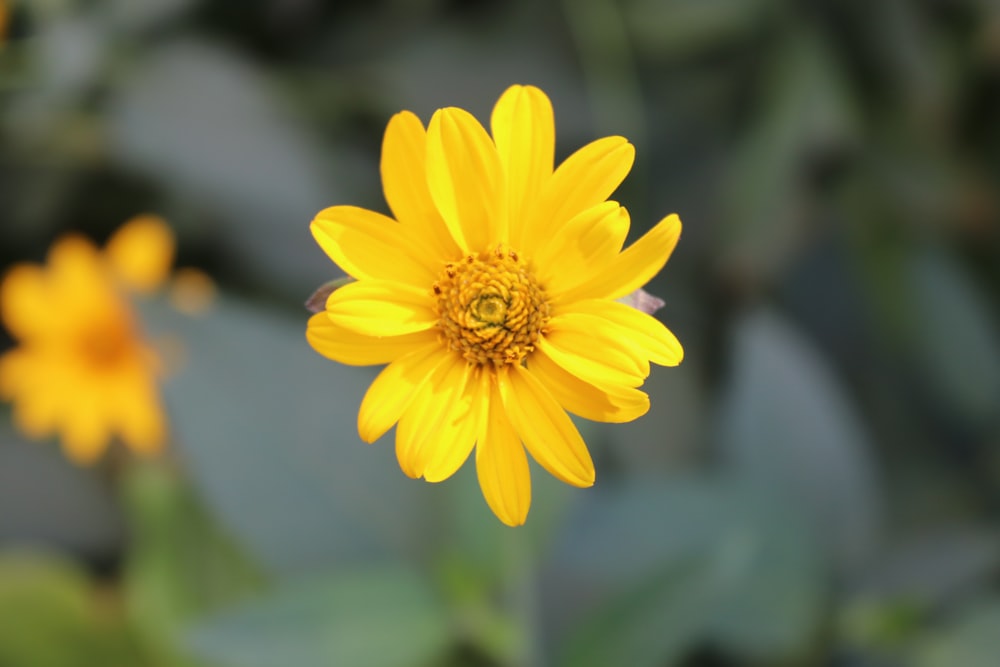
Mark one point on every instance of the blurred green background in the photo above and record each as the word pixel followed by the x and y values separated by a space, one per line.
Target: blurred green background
pixel 817 484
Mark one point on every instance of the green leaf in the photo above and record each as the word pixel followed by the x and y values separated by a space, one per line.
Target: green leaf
pixel 380 616
pixel 676 563
pixel 268 429
pixel 179 565
pixel 208 125
pixel 773 577
pixel 936 567
pixel 51 615
pixel 880 626
pixel 650 623
pixel 683 28
pixel 969 641
pixel 136 17
pixel 807 111
pixel 787 424
pixel 954 340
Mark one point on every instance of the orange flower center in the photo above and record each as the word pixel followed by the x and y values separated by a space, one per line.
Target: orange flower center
pixel 107 344
pixel 490 308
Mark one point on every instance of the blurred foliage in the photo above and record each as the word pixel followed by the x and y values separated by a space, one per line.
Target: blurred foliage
pixel 816 484
pixel 52 616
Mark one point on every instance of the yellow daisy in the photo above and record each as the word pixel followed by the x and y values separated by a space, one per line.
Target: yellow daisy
pixel 81 368
pixel 492 297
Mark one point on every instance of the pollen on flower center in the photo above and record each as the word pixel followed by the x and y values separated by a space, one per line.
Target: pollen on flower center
pixel 490 307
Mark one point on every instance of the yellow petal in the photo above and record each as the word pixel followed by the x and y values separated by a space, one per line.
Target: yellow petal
pixel 354 349
pixel 417 432
pixel 636 328
pixel 589 241
pixel 601 240
pixel 15 371
pixel 585 178
pixel 141 252
pixel 36 413
pixel 628 271
pixel 545 428
pixel 25 304
pixel 80 290
pixel 459 428
pixel 409 448
pixel 404 181
pixel 465 179
pixel 435 433
pixel 587 348
pixel 139 415
pixel 79 281
pixel 605 340
pixel 502 466
pixel 393 390
pixel 381 308
pixel 524 130
pixel 26 378
pixel 368 245
pixel 610 404
pixel 85 431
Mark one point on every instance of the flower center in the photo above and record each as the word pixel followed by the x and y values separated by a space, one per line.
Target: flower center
pixel 107 344
pixel 490 307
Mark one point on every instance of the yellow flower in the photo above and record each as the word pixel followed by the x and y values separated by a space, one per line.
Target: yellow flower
pixel 492 297
pixel 81 368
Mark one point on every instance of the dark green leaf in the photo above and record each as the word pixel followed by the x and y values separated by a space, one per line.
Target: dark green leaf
pixel 955 340
pixel 807 112
pixel 683 28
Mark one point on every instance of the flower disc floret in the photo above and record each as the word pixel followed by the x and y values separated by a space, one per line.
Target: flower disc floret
pixel 490 307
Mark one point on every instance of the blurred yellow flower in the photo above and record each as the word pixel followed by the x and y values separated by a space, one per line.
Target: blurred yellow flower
pixel 492 297
pixel 4 20
pixel 81 368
